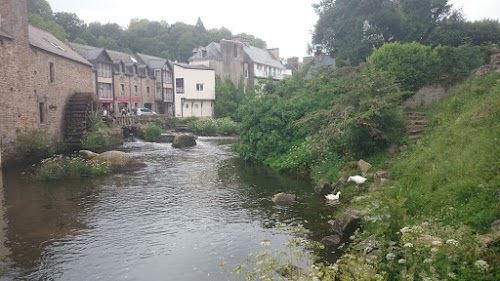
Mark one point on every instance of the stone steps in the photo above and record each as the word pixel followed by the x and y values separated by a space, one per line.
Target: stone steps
pixel 416 124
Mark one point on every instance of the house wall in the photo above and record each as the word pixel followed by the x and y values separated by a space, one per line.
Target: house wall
pixel 192 103
pixel 24 82
pixel 233 58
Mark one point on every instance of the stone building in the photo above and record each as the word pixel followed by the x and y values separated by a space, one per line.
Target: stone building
pixel 39 73
pixel 134 82
pixel 164 90
pixel 240 61
pixel 102 66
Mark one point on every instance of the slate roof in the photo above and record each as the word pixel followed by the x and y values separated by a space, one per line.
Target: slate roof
pixel 212 51
pixel 126 58
pixel 90 53
pixel 48 42
pixel 152 61
pixel 193 66
pixel 262 56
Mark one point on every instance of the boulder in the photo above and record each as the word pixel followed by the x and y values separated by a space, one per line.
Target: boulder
pixel 283 198
pixel 347 223
pixel 119 161
pixel 364 166
pixel 331 241
pixel 323 187
pixel 87 154
pixel 183 140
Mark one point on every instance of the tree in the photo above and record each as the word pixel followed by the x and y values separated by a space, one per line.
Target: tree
pixel 229 98
pixel 42 8
pixel 254 41
pixel 72 24
pixel 349 30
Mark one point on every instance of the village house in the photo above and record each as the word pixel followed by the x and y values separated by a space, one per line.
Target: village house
pixel 39 73
pixel 240 61
pixel 134 82
pixel 103 71
pixel 194 90
pixel 164 89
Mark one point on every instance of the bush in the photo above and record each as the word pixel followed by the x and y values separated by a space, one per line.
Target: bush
pixel 100 137
pixel 61 167
pixel 34 146
pixel 414 65
pixel 152 131
pixel 458 62
pixel 213 127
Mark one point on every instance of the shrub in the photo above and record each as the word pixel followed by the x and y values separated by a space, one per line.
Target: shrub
pixel 213 127
pixel 61 167
pixel 152 131
pixel 100 137
pixel 458 62
pixel 414 65
pixel 34 145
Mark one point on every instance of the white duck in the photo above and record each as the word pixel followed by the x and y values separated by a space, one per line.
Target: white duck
pixel 358 180
pixel 333 196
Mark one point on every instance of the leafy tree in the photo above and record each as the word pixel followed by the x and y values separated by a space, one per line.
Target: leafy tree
pixel 229 98
pixel 413 64
pixel 257 42
pixel 48 25
pixel 73 25
pixel 42 8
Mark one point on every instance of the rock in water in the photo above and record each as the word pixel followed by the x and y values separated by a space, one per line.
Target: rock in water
pixel 183 140
pixel 283 198
pixel 119 161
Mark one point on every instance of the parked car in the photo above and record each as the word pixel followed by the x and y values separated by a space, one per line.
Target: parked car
pixel 144 111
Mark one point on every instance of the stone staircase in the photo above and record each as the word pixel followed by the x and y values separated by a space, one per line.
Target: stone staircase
pixel 79 109
pixel 415 124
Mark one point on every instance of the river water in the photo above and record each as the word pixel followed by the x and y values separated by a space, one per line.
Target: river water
pixel 180 218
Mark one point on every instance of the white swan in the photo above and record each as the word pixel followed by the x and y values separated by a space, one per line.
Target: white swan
pixel 333 196
pixel 358 180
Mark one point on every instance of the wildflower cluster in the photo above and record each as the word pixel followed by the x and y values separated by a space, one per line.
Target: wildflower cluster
pixel 59 167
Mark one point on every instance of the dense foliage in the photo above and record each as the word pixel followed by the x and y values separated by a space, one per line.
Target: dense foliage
pixel 158 38
pixel 349 30
pixel 229 98
pixel 152 131
pixel 34 145
pixel 101 137
pixel 213 127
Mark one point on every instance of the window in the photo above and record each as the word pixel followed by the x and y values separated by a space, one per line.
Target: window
pixel 104 90
pixel 187 105
pixel 104 70
pixel 199 87
pixel 246 73
pixel 136 90
pixel 158 74
pixel 122 88
pixel 196 105
pixel 179 85
pixel 52 76
pixel 41 112
pixel 147 89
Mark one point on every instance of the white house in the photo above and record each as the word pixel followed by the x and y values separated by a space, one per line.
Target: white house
pixel 194 90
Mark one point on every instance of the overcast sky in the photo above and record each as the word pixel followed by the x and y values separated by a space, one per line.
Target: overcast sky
pixel 283 24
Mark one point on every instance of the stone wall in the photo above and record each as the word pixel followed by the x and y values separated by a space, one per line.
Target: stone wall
pixel 425 96
pixel 25 82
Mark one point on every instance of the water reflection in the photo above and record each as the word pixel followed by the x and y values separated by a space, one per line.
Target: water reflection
pixel 177 219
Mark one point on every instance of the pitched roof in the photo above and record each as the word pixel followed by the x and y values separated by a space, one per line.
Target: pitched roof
pixel 212 52
pixel 193 66
pixel 152 61
pixel 126 58
pixel 262 56
pixel 90 53
pixel 48 42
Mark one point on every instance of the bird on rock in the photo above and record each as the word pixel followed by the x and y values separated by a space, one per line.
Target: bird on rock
pixel 333 196
pixel 358 180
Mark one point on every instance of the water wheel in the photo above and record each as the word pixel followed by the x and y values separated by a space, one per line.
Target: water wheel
pixel 80 109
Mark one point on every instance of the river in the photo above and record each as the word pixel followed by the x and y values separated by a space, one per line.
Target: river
pixel 180 218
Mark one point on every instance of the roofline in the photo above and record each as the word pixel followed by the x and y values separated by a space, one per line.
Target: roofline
pixel 191 67
pixel 54 54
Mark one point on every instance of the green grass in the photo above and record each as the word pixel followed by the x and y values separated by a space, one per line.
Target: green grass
pixel 454 174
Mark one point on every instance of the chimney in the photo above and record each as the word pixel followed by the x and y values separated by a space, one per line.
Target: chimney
pixel 275 52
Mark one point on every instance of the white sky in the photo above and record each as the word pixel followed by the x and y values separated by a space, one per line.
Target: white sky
pixel 283 24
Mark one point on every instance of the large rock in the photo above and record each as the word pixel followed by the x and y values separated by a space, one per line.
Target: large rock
pixel 323 187
pixel 119 161
pixel 87 154
pixel 283 198
pixel 347 223
pixel 364 166
pixel 183 140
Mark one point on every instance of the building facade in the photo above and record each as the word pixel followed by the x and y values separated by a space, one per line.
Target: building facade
pixel 240 61
pixel 194 90
pixel 39 73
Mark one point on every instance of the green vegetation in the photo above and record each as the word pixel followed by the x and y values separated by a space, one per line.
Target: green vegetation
pixel 229 98
pixel 158 38
pixel 63 167
pixel 213 127
pixel 152 131
pixel 101 137
pixel 34 145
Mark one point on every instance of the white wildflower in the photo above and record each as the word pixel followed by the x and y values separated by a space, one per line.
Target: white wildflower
pixel 390 256
pixel 452 242
pixel 401 261
pixel 408 245
pixel 482 265
pixel 428 261
pixel 405 229
pixel 434 250
pixel 452 275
